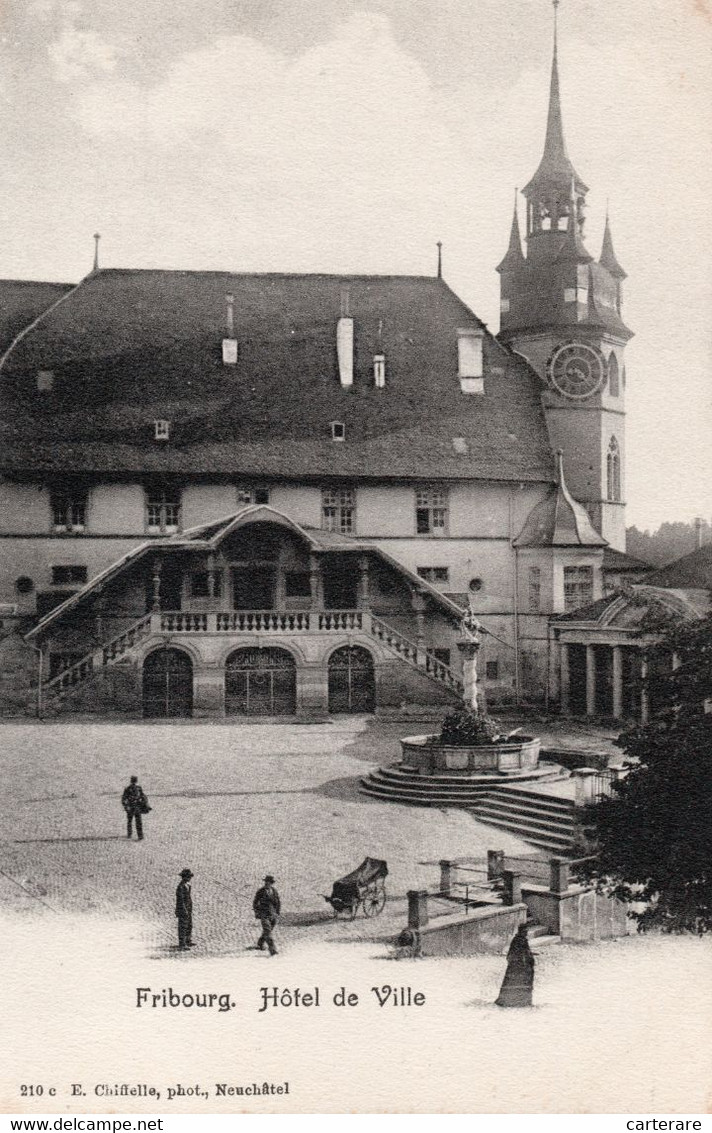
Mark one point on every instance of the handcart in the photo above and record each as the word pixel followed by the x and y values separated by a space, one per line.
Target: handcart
pixel 364 886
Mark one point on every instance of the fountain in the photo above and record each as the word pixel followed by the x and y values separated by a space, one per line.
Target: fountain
pixel 469 756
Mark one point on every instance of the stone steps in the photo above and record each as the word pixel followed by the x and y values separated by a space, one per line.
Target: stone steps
pixel 546 821
pixel 399 784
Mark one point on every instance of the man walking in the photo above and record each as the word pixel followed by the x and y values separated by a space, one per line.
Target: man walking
pixel 184 910
pixel 266 908
pixel 136 805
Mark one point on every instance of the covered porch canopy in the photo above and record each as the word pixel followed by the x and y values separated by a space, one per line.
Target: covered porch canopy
pixel 248 571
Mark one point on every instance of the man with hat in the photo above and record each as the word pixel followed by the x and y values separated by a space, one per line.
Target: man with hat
pixel 266 909
pixel 184 910
pixel 135 805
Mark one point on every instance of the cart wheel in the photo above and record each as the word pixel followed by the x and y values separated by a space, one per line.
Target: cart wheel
pixel 374 903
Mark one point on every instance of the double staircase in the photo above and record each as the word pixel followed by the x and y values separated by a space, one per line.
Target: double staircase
pixel 267 625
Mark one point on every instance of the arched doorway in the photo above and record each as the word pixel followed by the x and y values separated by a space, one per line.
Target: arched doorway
pixel 260 682
pixel 352 683
pixel 167 684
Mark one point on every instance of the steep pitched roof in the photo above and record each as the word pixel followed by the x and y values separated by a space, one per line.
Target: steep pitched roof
pixel 559 521
pixel 128 347
pixel 691 572
pixel 21 301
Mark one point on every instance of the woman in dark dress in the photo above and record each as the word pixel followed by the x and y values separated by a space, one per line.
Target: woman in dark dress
pixel 518 982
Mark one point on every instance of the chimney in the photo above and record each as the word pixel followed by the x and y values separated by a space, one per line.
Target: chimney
pixel 345 341
pixel 470 359
pixel 229 344
pixel 698 532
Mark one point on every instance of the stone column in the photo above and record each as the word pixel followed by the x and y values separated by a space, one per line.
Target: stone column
pixel 364 596
pixel 617 681
pixel 512 887
pixel 156 579
pixel 565 681
pixel 417 908
pixel 445 877
pixel 559 875
pixel 590 681
pixel 315 582
pixel 584 783
pixel 644 695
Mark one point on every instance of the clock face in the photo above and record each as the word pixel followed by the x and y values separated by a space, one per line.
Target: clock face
pixel 576 370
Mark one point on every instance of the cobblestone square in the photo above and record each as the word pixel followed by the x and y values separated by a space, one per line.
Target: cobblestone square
pixel 230 802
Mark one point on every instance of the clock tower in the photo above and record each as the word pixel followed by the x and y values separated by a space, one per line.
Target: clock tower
pixel 561 310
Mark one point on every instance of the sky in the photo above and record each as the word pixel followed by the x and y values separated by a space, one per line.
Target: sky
pixel 351 135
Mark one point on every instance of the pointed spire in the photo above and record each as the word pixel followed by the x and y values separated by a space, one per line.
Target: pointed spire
pixel 555 164
pixel 608 258
pixel 573 247
pixel 97 238
pixel 514 257
pixel 440 259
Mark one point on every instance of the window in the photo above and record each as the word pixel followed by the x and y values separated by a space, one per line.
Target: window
pixel 200 582
pixel 578 587
pixel 534 589
pixel 613 383
pixel 297 584
pixel 45 381
pixel 65 575
pixel 504 306
pixel 162 512
pixel 613 471
pixel 69 511
pixel 338 431
pixel 431 511
pixel 252 494
pixel 161 430
pixel 338 510
pixel 492 670
pixel 435 573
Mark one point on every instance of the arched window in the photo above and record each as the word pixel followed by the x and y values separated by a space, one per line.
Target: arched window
pixel 613 469
pixel 613 383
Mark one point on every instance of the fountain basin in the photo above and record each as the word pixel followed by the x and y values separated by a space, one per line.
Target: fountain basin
pixel 426 755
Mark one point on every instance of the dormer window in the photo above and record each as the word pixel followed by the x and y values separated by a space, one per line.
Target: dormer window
pixel 161 430
pixel 45 381
pixel 338 431
pixel 470 359
pixel 379 371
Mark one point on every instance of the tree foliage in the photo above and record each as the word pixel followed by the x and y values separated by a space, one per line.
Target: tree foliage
pixel 654 835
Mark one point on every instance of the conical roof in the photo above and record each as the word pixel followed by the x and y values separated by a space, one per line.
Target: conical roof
pixel 514 257
pixel 555 165
pixel 559 521
pixel 608 258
